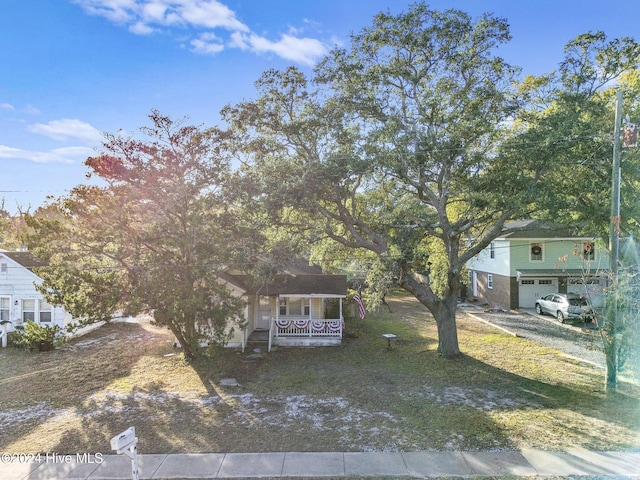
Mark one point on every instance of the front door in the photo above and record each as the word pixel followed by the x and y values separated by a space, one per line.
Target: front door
pixel 263 317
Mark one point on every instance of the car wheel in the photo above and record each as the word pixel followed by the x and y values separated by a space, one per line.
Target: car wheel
pixel 560 317
pixel 539 309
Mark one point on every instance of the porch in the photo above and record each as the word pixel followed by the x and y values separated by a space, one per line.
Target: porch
pixel 304 331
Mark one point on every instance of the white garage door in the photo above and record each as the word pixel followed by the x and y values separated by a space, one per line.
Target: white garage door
pixel 530 289
pixel 593 288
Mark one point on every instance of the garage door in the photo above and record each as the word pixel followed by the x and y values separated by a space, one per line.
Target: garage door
pixel 593 288
pixel 530 289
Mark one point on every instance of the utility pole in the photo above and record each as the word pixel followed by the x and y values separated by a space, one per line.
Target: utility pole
pixel 611 322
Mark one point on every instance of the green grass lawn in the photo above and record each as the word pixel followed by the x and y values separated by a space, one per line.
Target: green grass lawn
pixel 503 393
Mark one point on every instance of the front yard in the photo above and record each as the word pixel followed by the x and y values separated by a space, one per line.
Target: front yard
pixel 505 393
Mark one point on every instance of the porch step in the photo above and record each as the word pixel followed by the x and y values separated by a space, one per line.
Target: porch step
pixel 258 337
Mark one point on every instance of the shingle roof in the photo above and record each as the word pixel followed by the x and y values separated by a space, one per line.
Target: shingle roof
pixel 335 285
pixel 26 259
pixel 537 229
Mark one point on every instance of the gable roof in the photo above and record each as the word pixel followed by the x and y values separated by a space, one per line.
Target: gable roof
pixel 536 229
pixel 26 259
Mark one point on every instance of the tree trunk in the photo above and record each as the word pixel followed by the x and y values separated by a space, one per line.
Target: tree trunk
pixel 162 318
pixel 445 317
pixel 443 311
pixel 186 347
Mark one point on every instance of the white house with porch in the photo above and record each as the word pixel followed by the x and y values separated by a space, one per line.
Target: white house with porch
pixel 20 301
pixel 301 307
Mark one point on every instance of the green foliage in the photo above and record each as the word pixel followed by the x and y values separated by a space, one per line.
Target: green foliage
pixel 12 227
pixel 34 336
pixel 386 150
pixel 568 126
pixel 153 239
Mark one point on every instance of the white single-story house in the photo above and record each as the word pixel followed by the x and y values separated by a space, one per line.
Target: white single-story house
pixel 532 259
pixel 19 299
pixel 299 307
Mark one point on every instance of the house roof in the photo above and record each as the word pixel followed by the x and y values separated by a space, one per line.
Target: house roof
pixel 298 278
pixel 305 284
pixel 26 259
pixel 536 229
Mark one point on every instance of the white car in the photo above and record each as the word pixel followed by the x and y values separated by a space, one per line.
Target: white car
pixel 565 305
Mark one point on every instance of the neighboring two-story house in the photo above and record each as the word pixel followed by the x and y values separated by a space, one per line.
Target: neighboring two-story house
pixel 534 259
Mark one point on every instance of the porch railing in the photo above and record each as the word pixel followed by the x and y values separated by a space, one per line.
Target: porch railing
pixel 305 327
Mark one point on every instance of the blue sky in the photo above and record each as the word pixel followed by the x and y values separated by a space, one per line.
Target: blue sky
pixel 71 69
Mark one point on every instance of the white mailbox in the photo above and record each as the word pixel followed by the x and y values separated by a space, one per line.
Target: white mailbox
pixel 124 440
pixel 125 443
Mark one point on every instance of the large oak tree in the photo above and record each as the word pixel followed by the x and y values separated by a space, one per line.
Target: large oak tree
pixel 393 147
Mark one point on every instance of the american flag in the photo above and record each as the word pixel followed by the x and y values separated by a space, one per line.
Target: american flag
pixel 361 309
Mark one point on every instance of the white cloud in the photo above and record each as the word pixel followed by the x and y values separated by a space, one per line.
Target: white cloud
pixel 210 14
pixel 301 50
pixel 53 156
pixel 68 128
pixel 78 153
pixel 208 43
pixel 140 28
pixel 143 17
pixel 193 13
pixel 118 11
pixel 31 110
pixel 6 106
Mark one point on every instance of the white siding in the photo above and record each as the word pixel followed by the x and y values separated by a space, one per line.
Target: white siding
pixel 499 265
pixel 18 284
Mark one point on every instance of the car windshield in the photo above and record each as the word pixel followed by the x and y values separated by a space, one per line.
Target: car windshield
pixel 577 302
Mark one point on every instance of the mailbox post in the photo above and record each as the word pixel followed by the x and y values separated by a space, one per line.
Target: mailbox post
pixel 125 443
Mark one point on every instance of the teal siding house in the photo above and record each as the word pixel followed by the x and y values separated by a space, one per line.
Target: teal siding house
pixel 533 259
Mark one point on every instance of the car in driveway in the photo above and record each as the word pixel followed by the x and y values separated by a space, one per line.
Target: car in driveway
pixel 565 306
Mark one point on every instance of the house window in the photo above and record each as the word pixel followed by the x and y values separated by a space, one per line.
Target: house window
pixel 284 306
pixel 28 310
pixel 588 251
pixel 4 267
pixel 46 312
pixel 295 306
pixel 535 252
pixel 547 281
pixel 527 282
pixel 492 250
pixel 306 307
pixel 490 281
pixel 5 308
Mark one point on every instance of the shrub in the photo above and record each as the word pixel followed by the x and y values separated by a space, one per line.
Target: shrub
pixel 37 336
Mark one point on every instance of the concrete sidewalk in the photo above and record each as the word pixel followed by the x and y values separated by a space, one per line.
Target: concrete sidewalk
pixel 525 463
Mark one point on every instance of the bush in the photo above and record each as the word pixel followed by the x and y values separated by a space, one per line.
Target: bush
pixel 36 336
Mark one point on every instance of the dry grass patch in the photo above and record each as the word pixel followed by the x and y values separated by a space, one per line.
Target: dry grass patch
pixel 504 393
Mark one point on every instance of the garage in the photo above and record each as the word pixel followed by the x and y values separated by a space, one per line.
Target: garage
pixel 591 287
pixel 532 288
